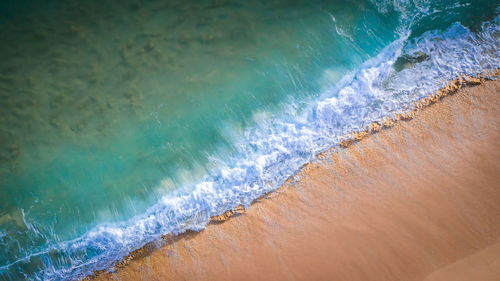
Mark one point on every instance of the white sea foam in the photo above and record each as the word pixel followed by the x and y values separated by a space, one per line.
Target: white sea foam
pixel 275 149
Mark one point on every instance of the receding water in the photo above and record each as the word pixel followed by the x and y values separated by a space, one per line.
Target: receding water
pixel 109 107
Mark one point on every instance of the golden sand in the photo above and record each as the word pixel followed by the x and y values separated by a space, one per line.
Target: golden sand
pixel 417 200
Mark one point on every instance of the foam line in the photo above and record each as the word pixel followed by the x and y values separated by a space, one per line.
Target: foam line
pixel 278 147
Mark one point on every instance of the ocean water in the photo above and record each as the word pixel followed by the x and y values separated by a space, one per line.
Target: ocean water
pixel 121 121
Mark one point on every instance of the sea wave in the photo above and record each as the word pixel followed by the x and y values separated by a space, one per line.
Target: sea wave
pixel 404 72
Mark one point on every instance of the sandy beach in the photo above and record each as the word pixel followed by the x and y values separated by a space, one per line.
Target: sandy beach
pixel 417 201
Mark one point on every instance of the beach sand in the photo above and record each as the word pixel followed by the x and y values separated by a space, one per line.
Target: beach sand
pixel 417 201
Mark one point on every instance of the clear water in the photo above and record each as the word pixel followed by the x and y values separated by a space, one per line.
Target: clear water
pixel 121 121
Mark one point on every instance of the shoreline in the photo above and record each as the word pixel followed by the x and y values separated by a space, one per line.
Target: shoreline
pixel 136 259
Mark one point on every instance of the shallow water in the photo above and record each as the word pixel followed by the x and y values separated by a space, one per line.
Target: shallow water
pixel 122 121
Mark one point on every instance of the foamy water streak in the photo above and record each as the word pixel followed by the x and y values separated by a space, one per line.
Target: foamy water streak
pixel 268 154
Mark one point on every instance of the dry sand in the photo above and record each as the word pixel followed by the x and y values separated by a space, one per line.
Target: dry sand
pixel 418 201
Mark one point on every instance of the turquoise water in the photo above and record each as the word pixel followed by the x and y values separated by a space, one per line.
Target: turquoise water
pixel 121 121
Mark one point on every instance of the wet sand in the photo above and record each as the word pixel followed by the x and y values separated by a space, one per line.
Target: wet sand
pixel 417 201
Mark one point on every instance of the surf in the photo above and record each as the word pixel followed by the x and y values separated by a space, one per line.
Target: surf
pixel 271 145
